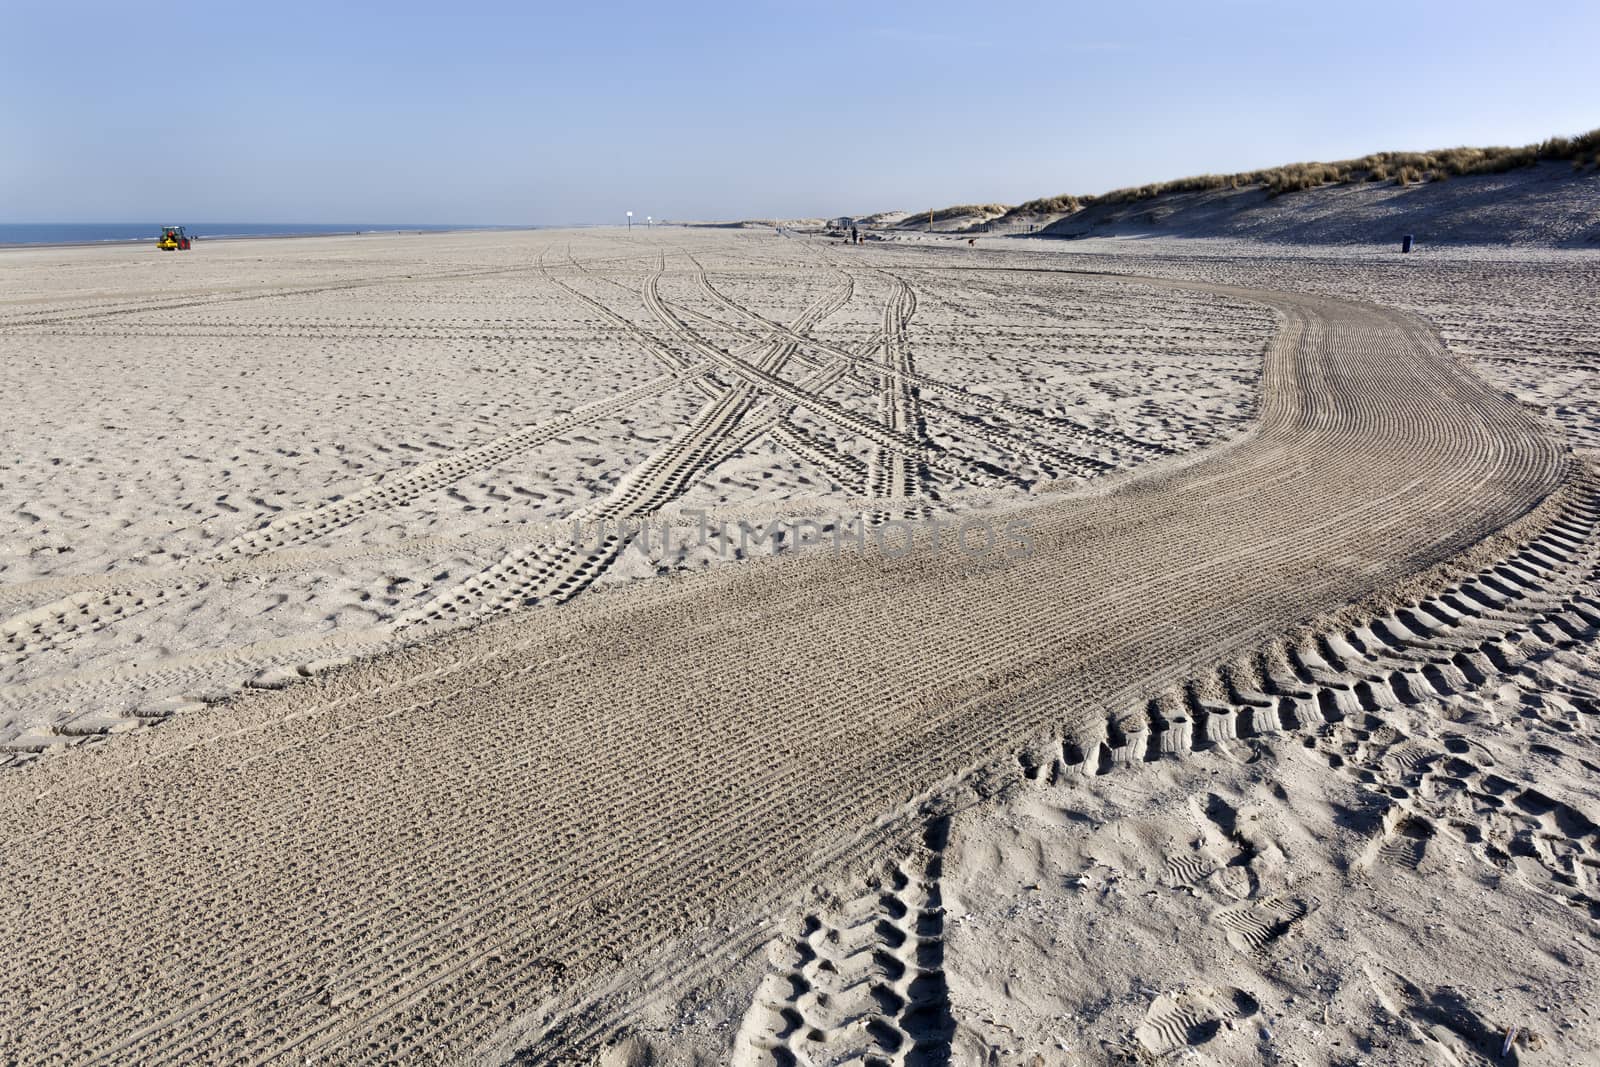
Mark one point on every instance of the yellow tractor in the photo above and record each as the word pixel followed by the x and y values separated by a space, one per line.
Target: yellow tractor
pixel 173 239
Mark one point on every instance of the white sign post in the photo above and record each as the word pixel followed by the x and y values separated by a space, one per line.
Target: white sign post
pixel 630 222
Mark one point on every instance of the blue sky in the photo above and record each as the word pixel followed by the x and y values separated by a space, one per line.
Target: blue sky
pixel 533 113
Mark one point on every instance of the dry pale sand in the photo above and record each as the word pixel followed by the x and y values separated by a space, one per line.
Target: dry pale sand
pixel 1277 746
pixel 272 455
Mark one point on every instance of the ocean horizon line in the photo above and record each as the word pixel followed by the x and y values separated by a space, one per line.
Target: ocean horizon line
pixel 24 234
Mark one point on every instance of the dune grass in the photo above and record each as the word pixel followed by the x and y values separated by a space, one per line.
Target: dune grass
pixel 959 211
pixel 1065 204
pixel 1401 168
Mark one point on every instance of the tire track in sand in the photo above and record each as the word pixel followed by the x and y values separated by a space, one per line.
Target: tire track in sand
pixel 553 571
pixel 899 388
pixel 1329 689
pixel 401 859
pixel 890 381
pixel 558 572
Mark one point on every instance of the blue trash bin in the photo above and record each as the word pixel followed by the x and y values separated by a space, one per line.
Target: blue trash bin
pixel 1405 243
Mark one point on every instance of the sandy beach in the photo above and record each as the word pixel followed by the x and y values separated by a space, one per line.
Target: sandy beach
pixel 291 466
pixel 371 692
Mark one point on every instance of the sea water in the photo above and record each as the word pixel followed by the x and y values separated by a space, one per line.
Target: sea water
pixel 53 233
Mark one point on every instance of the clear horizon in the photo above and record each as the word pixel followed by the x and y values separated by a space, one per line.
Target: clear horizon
pixel 504 116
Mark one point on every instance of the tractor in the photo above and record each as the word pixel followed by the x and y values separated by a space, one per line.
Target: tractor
pixel 173 239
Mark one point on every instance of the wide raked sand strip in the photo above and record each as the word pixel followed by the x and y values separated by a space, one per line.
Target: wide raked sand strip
pixel 401 859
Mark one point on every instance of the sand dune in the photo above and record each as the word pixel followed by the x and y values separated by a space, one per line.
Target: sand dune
pixel 1540 195
pixel 1547 205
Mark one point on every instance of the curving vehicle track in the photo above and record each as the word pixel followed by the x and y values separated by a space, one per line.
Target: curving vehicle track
pixel 407 859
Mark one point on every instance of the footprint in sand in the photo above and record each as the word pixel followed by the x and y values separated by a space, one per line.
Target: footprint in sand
pixel 1402 841
pixel 1254 926
pixel 1185 1019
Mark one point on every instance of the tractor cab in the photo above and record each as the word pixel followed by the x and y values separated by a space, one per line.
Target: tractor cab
pixel 173 239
